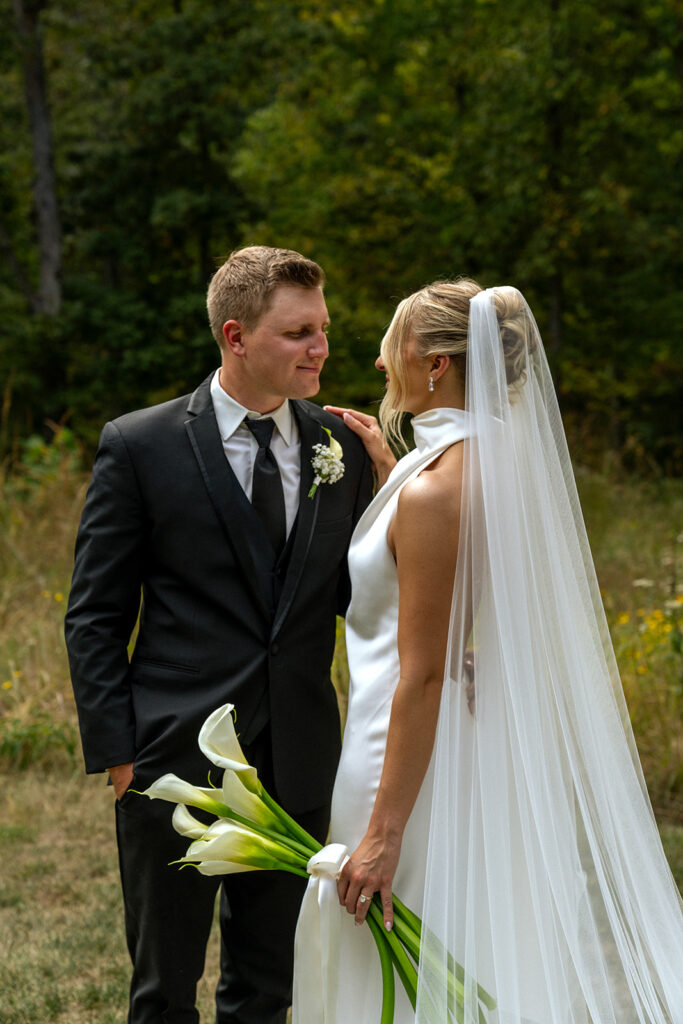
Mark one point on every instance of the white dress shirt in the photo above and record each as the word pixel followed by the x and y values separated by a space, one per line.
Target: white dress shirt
pixel 240 445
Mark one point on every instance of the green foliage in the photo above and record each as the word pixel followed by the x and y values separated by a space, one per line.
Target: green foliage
pixel 523 143
pixel 42 462
pixel 538 144
pixel 36 741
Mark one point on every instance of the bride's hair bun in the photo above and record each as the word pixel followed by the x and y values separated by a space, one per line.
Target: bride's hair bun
pixel 515 334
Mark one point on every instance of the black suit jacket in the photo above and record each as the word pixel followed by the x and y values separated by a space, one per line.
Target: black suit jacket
pixel 166 518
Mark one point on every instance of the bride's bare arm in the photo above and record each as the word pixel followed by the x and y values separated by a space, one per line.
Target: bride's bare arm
pixel 368 430
pixel 424 539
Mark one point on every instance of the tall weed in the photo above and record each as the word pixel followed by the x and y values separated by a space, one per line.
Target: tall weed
pixel 39 510
pixel 636 533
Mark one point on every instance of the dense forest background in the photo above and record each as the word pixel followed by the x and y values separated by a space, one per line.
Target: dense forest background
pixel 537 143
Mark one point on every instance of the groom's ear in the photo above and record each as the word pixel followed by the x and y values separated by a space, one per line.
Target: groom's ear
pixel 232 332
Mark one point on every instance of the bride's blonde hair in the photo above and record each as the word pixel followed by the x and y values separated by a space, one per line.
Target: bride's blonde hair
pixel 437 317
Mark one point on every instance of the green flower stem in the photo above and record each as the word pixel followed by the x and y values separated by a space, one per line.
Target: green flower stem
pixel 404 966
pixel 301 872
pixel 460 973
pixel 293 827
pixel 455 969
pixel 410 940
pixel 268 833
pixel 410 918
pixel 407 936
pixel 294 846
pixel 386 963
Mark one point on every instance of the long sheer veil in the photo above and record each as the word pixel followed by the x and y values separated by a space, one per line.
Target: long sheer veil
pixel 546 877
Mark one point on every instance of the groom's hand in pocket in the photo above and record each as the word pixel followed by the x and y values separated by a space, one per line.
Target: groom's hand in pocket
pixel 121 776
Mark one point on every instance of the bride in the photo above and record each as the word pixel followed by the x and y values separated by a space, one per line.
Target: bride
pixel 514 818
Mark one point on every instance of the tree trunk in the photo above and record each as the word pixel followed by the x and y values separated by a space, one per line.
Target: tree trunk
pixel 555 122
pixel 48 297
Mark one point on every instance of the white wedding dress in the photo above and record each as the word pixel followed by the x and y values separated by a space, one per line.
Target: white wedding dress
pixel 371 641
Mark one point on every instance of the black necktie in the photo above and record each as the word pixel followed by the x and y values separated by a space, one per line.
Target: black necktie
pixel 267 496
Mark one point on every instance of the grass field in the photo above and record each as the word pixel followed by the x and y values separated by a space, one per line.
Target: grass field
pixel 62 951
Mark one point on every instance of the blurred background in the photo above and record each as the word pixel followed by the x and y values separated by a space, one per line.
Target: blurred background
pixel 534 143
pixel 537 143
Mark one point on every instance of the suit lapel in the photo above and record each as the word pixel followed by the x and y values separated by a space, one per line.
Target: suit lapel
pixel 228 498
pixel 310 433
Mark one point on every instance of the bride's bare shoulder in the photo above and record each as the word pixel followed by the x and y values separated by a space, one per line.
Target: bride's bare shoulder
pixel 434 496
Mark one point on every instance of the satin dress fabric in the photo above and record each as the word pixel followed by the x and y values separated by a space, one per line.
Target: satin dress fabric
pixel 371 639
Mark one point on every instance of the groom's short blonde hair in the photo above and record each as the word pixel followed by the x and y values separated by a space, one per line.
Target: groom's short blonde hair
pixel 242 288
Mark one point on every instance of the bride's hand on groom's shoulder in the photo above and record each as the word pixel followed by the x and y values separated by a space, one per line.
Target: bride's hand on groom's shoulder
pixel 368 430
pixel 370 869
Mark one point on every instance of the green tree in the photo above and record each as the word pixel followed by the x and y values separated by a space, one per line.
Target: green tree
pixel 533 143
pixel 529 143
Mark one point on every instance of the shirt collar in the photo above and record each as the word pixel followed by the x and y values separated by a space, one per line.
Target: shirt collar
pixel 230 414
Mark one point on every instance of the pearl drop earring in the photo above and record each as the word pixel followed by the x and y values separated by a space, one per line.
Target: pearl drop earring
pixel 431 384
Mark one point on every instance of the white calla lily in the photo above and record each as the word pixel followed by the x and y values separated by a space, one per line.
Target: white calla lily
pixel 335 448
pixel 177 791
pixel 186 824
pixel 243 800
pixel 217 828
pixel 222 867
pixel 218 741
pixel 235 845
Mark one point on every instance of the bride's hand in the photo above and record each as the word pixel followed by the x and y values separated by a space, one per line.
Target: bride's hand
pixel 368 870
pixel 367 428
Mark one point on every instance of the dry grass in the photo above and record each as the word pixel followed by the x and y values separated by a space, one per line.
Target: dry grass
pixel 39 514
pixel 62 950
pixel 636 531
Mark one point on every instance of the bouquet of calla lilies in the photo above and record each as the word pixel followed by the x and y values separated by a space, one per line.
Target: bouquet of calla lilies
pixel 252 832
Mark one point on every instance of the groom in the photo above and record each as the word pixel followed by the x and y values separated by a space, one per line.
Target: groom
pixel 201 507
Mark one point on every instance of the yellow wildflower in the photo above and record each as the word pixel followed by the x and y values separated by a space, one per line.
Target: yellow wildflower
pixel 623 619
pixel 59 596
pixel 7 685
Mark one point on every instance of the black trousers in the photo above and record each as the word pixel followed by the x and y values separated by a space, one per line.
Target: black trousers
pixel 169 911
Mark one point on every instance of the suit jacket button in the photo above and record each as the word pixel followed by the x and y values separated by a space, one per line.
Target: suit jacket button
pixel 274 648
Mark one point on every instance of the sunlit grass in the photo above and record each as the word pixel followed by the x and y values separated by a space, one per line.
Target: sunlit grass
pixel 636 532
pixel 39 511
pixel 62 948
pixel 63 958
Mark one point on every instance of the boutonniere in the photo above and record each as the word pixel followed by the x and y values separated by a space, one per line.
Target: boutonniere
pixel 327 463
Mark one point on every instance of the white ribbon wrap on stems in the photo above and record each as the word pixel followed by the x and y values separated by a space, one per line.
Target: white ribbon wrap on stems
pixel 315 958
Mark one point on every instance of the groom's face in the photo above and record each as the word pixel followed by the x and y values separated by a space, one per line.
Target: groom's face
pixel 284 354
